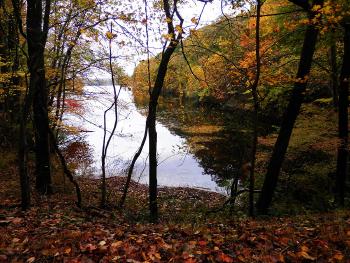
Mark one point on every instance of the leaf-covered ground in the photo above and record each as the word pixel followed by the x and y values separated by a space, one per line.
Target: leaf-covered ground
pixel 54 230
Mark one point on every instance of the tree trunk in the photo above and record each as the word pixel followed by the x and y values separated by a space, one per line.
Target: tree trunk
pixel 152 161
pixel 288 121
pixel 152 108
pixel 333 82
pixel 342 158
pixel 151 123
pixel 36 37
pixel 22 151
pixel 254 89
pixel 23 109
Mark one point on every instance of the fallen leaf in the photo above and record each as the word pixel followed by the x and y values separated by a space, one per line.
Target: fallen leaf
pixel 225 258
pixel 305 255
pixel 202 242
pixel 338 256
pixel 15 240
pixel 17 220
pixel 304 248
pixel 67 250
pixel 91 247
pixel 116 244
pixel 102 243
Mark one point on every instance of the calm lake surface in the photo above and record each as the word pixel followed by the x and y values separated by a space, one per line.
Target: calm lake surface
pixel 195 148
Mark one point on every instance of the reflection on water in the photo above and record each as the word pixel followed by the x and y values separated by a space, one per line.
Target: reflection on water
pixel 197 146
pixel 182 160
pixel 218 140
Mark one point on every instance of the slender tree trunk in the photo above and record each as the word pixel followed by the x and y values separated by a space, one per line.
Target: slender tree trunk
pixel 342 158
pixel 22 151
pixel 131 168
pixel 153 161
pixel 333 81
pixel 256 109
pixel 289 119
pixel 36 37
pixel 152 108
pixel 67 172
pixel 24 109
pixel 105 143
pixel 151 124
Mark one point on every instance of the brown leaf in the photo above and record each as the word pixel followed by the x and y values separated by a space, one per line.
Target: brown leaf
pixel 305 255
pixel 338 256
pixel 67 250
pixel 15 240
pixel 17 220
pixel 116 244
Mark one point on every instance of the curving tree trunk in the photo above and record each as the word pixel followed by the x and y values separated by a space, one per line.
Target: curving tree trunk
pixel 152 108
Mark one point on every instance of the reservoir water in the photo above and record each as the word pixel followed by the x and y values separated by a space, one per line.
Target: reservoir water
pixel 177 163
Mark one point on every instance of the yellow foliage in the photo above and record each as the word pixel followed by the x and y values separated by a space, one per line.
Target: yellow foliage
pixel 194 20
pixel 109 35
pixel 178 28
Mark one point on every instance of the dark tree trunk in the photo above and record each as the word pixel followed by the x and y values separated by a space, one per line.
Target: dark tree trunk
pixel 152 161
pixel 131 169
pixel 151 124
pixel 23 148
pixel 333 81
pixel 106 141
pixel 23 110
pixel 254 89
pixel 36 38
pixel 152 108
pixel 342 158
pixel 288 121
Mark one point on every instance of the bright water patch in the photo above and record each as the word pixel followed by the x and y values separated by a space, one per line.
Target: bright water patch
pixel 176 165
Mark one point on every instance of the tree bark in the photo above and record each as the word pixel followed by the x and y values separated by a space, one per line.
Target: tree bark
pixel 22 151
pixel 36 38
pixel 151 123
pixel 333 82
pixel 289 119
pixel 254 89
pixel 24 109
pixel 342 158
pixel 152 108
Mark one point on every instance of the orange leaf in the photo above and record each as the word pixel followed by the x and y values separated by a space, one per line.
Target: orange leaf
pixel 225 258
pixel 202 242
pixel 67 250
pixel 338 256
pixel 305 255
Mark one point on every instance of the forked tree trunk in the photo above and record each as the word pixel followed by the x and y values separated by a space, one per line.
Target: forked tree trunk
pixel 342 158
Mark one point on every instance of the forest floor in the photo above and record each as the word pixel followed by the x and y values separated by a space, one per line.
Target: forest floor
pixel 55 230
